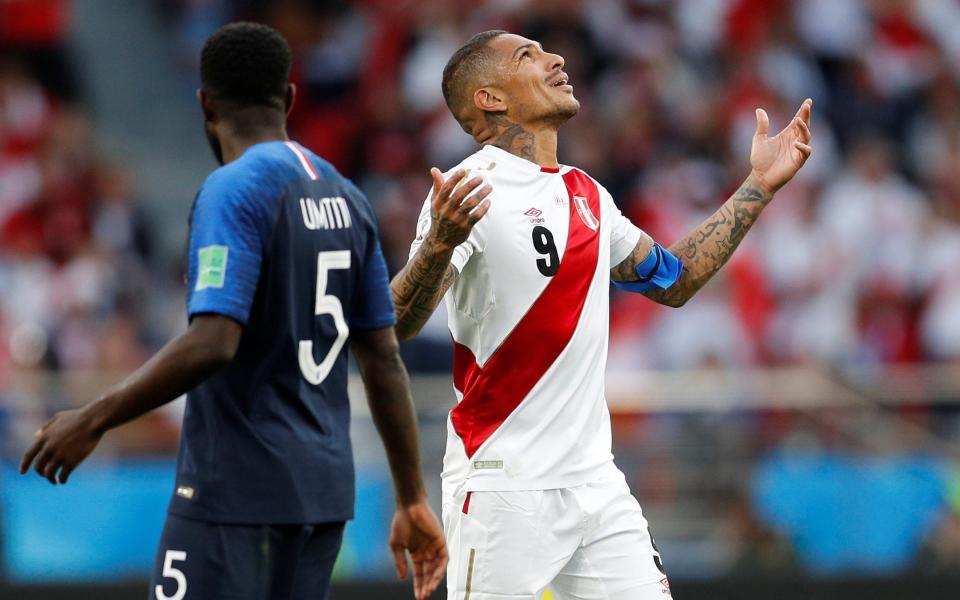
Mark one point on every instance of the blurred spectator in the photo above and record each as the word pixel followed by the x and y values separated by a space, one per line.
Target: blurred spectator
pixel 74 247
pixel 36 31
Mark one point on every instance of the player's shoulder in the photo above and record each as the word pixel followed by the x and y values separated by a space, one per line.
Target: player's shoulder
pixel 478 163
pixel 260 172
pixel 577 171
pixel 339 184
pixel 471 161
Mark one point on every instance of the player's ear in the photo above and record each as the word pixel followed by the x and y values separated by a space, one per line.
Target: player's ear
pixel 489 99
pixel 289 98
pixel 206 105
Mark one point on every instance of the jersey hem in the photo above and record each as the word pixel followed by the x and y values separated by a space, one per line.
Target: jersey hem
pixel 501 484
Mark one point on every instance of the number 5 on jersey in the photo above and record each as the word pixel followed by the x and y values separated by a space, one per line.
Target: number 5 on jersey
pixel 326 304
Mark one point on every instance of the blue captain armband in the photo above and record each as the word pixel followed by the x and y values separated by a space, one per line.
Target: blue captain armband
pixel 659 270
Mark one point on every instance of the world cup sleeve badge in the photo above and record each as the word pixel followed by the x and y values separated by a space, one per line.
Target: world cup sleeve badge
pixel 586 215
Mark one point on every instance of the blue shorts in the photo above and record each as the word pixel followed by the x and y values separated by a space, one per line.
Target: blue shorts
pixel 218 561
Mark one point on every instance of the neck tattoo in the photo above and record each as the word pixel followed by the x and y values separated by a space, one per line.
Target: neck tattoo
pixel 511 137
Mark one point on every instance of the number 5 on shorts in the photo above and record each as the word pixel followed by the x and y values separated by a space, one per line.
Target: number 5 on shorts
pixel 173 573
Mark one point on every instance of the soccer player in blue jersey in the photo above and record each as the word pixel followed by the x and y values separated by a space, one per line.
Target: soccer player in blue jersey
pixel 284 269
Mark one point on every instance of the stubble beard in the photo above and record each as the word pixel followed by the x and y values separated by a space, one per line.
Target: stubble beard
pixel 562 112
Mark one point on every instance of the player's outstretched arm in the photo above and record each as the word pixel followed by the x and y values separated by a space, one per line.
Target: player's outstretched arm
pixel 71 435
pixel 419 286
pixel 415 529
pixel 704 250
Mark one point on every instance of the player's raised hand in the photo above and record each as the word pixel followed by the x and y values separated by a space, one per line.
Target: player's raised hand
pixel 775 160
pixel 456 206
pixel 61 445
pixel 415 530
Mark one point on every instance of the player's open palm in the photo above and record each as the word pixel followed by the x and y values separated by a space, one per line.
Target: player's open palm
pixel 456 205
pixel 61 445
pixel 775 160
pixel 415 530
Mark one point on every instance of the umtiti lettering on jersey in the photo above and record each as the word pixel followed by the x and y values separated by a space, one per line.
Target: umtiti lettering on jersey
pixel 325 213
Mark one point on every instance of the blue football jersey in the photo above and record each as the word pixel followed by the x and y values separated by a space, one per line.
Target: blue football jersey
pixel 286 246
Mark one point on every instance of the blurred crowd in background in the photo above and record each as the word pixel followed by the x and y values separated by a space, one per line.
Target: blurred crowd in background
pixel 74 262
pixel 854 263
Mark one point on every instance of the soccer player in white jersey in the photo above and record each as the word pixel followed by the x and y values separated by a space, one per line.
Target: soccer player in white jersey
pixel 523 250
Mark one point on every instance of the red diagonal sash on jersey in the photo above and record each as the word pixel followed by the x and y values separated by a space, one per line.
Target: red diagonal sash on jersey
pixel 492 392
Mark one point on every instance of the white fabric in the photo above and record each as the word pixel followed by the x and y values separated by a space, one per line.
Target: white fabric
pixel 589 542
pixel 559 436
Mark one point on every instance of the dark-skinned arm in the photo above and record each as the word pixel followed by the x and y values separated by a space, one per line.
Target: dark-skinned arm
pixel 209 343
pixel 419 286
pixel 415 528
pixel 391 405
pixel 707 248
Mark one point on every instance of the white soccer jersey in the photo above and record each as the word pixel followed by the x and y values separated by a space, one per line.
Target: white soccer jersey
pixel 529 315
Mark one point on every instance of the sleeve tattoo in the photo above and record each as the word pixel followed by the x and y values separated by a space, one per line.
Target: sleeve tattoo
pixel 705 249
pixel 418 288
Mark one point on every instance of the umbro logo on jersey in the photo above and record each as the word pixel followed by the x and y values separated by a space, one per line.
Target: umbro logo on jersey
pixel 534 214
pixel 586 215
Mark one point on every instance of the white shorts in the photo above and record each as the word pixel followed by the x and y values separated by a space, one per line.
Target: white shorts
pixel 589 542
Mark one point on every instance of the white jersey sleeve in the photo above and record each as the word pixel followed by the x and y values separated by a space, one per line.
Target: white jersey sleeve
pixel 624 235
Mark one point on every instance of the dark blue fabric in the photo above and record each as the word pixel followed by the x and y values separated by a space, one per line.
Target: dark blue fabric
pixel 219 561
pixel 260 443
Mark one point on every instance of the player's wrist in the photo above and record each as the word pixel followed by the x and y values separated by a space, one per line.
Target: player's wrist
pixel 437 246
pixel 757 181
pixel 411 496
pixel 96 417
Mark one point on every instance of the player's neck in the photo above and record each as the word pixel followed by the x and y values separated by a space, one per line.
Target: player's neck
pixel 234 144
pixel 536 143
